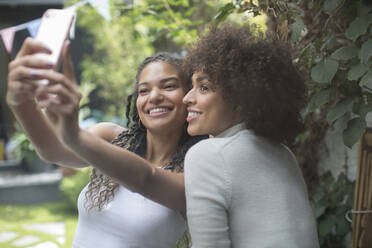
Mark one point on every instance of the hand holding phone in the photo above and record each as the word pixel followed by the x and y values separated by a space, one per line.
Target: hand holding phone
pixel 53 31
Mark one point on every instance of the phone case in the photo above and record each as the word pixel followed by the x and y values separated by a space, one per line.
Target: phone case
pixel 53 31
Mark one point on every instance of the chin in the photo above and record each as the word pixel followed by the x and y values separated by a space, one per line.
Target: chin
pixel 194 131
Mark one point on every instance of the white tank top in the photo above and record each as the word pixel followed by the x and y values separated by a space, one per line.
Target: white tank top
pixel 128 221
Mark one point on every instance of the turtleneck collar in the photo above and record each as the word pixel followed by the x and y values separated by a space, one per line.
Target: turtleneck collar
pixel 232 130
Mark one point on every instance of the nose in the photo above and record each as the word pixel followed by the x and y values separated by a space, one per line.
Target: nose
pixel 156 96
pixel 189 99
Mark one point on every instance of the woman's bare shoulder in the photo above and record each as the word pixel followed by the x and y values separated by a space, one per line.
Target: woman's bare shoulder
pixel 106 130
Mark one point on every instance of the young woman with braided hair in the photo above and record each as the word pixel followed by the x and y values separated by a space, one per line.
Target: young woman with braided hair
pixel 146 212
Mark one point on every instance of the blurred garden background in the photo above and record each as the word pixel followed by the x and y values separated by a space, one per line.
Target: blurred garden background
pixel 332 46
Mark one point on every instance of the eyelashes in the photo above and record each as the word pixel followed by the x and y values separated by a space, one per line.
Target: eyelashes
pixel 168 87
pixel 203 88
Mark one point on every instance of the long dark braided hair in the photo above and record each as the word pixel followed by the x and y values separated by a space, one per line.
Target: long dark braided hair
pixel 101 188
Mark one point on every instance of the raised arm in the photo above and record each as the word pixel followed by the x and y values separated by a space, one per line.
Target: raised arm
pixel 22 84
pixel 125 167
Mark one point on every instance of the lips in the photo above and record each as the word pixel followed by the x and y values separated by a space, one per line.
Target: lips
pixel 158 111
pixel 192 115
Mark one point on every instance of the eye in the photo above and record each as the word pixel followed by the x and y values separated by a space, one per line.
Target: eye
pixel 142 91
pixel 170 86
pixel 203 88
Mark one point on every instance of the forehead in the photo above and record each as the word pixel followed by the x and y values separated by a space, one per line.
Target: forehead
pixel 156 71
pixel 199 76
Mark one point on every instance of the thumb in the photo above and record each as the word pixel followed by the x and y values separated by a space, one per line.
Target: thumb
pixel 67 66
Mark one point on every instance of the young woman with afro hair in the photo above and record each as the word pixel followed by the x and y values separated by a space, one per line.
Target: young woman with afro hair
pixel 243 185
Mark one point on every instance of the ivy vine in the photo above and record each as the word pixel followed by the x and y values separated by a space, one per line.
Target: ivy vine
pixel 333 44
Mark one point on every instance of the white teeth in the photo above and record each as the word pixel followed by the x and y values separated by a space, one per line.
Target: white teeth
pixel 157 110
pixel 193 114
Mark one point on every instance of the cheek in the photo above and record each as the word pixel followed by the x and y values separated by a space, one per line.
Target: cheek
pixel 139 105
pixel 177 99
pixel 205 104
pixel 182 110
pixel 211 108
pixel 179 95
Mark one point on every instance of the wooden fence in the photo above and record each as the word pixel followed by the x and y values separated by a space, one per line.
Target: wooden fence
pixel 362 210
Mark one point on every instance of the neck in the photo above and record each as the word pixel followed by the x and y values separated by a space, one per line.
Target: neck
pixel 227 126
pixel 161 147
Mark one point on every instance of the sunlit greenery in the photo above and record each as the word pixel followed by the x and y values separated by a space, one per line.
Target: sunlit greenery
pixel 332 45
pixel 14 217
pixel 136 31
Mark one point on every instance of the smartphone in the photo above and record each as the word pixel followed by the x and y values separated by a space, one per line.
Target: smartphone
pixel 53 31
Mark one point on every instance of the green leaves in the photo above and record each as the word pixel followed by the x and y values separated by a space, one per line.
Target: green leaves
pixel 319 211
pixel 363 9
pixel 353 132
pixel 324 71
pixel 326 226
pixel 366 51
pixel 224 12
pixel 339 110
pixel 330 5
pixel 367 78
pixel 364 109
pixel 357 27
pixel 356 126
pixel 357 71
pixel 296 30
pixel 331 199
pixel 345 53
pixel 320 98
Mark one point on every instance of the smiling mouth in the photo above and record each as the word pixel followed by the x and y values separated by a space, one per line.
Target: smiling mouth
pixel 158 111
pixel 192 116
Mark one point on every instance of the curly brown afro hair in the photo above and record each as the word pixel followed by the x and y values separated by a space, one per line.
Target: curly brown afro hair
pixel 256 76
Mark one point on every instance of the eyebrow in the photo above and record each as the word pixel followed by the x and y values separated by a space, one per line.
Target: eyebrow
pixel 201 78
pixel 164 80
pixel 168 79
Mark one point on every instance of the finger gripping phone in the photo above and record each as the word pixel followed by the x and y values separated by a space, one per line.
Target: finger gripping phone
pixel 53 31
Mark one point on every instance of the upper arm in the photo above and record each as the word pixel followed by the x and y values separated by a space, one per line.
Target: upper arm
pixel 106 130
pixel 207 196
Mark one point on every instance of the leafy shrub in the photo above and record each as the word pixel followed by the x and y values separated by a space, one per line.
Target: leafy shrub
pixel 332 199
pixel 22 147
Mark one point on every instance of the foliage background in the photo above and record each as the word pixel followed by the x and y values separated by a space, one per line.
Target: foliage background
pixel 332 46
pixel 136 31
